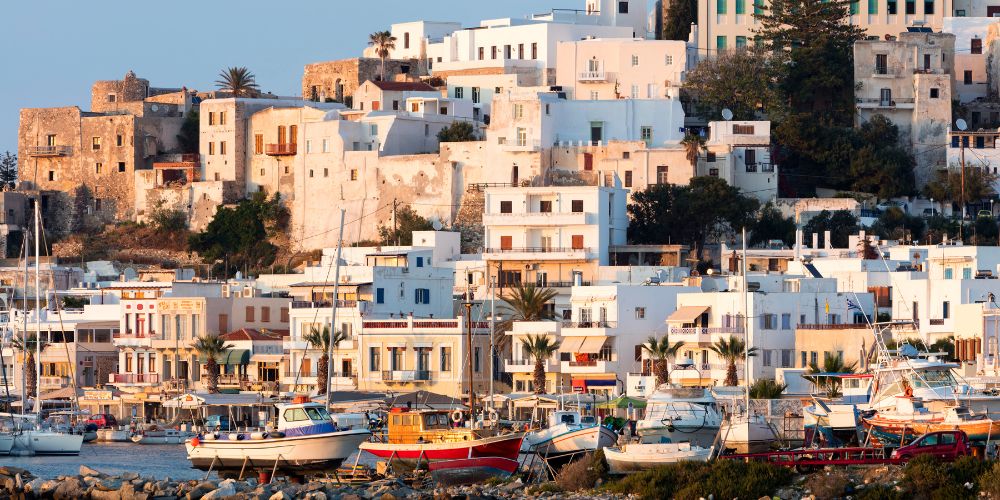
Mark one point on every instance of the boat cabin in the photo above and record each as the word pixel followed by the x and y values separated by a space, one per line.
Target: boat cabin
pixel 303 419
pixel 564 417
pixel 424 426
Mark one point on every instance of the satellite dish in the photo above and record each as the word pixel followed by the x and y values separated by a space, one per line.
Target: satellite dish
pixel 154 108
pixel 960 123
pixel 437 225
pixel 727 114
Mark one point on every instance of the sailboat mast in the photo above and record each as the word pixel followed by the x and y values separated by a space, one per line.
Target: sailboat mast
pixel 24 329
pixel 333 314
pixel 38 316
pixel 493 329
pixel 746 325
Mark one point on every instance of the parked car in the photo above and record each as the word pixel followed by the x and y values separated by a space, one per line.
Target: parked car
pixel 103 420
pixel 886 205
pixel 984 214
pixel 219 422
pixel 947 445
pixel 931 212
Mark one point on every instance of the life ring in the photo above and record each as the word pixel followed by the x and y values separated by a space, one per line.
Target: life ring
pixel 456 416
pixel 908 392
pixel 493 415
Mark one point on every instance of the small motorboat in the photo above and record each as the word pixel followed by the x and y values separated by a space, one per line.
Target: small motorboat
pixel 156 435
pixel 631 458
pixel 305 441
pixel 471 470
pixel 114 435
pixel 680 414
pixel 911 419
pixel 747 433
pixel 567 437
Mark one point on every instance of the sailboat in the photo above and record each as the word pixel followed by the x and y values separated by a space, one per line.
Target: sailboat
pixel 745 431
pixel 31 437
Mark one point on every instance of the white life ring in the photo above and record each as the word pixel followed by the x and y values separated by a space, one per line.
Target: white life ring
pixel 493 415
pixel 456 416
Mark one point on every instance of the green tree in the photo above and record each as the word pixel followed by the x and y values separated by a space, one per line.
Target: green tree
pixel 239 81
pixel 939 227
pixel 239 236
pixel 771 225
pixel 458 132
pixel 732 351
pixel 320 340
pixel 540 348
pixel 28 344
pixel 527 302
pixel 841 224
pixel 741 80
pixel 832 363
pixel 880 164
pixel 189 136
pixel 813 152
pixel 693 145
pixel 793 24
pixel 407 221
pixel 8 170
pixel 384 44
pixel 766 388
pixel 984 231
pixel 677 19
pixel 894 224
pixel 661 351
pixel 946 186
pixel 211 347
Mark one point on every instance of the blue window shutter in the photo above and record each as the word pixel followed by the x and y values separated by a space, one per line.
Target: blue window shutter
pixel 380 295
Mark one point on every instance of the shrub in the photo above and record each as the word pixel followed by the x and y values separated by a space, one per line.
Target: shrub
pixel 544 488
pixel 989 482
pixel 927 477
pixel 879 492
pixel 693 480
pixel 584 473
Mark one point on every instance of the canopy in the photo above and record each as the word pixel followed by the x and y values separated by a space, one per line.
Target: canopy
pixel 536 401
pixel 266 358
pixel 592 345
pixel 231 357
pixel 687 314
pixel 425 400
pixel 196 400
pixel 623 402
pixel 571 344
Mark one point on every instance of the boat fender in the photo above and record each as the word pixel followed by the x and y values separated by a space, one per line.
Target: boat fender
pixel 257 436
pixel 277 434
pixel 456 416
pixel 235 437
pixel 209 437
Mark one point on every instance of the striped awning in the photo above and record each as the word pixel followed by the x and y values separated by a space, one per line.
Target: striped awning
pixel 592 345
pixel 571 344
pixel 687 314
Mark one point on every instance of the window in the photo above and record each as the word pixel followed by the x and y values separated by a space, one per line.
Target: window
pixel 422 296
pixel 595 95
pixel 374 362
pixel 786 358
pixel 310 173
pixel 97 168
pixel 475 95
pixel 945 310
pixel 628 178
pixel 640 313
pixel 668 59
pixel 522 136
pixel 720 6
pixel 250 315
pixel 911 6
pixel 222 117
pixel 967 273
pixel 750 159
pixel 506 207
pixel 121 167
pixel 881 64
pixel 786 321
pixel 95 143
pixel 211 117
pixel 326 172
pixel 482 53
pixel 518 111
pixel 119 140
pixel 459 92
pixel 534 50
pixel 222 147
pixel 977 45
pixel 211 148
pixel 646 134
pixel 767 357
pixel 325 146
pixel 720 43
pixel 890 7
pixel 354 174
pixel 635 91
pixel 112 98
pixel 545 206
pixel 265 314
pixel 477 355
pixel 928 6
pixel 258 144
pixel 769 321
pixel 710 157
pixel 935 93
pixel 308 147
pixel 506 243
pixel 380 295
pixel 406 40
pixel 420 262
pixel 577 206
pixel 445 359
pixel 494 52
pixel 520 51
pixel 713 172
pixel 577 240
pixel 967 77
pixel 741 41
pixel 635 60
pixel 662 174
pixel 623 7
pixel 506 51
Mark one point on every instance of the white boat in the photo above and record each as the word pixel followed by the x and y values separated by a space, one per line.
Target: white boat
pixel 567 436
pixel 676 414
pixel 306 440
pixel 46 442
pixel 747 433
pixel 110 435
pixel 155 435
pixel 6 443
pixel 637 457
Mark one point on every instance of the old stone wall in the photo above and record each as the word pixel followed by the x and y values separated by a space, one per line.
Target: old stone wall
pixel 107 95
pixel 338 79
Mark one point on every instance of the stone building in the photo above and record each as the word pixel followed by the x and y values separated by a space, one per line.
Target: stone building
pixel 336 80
pixel 129 125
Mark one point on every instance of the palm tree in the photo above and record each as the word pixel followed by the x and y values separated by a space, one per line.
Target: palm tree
pixel 832 363
pixel 320 340
pixel 731 351
pixel 661 351
pixel 384 43
pixel 766 388
pixel 238 80
pixel 693 146
pixel 540 347
pixel 525 302
pixel 212 348
pixel 27 345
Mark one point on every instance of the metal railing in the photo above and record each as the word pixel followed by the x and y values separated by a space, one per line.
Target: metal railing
pixel 406 375
pixel 49 150
pixel 482 186
pixel 561 284
pixel 593 76
pixel 135 378
pixel 589 324
pixel 286 149
pixel 732 330
pixel 832 326
pixel 937 322
pixel 306 304
pixel 536 250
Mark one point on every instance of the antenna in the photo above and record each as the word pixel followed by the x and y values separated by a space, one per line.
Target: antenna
pixel 961 125
pixel 727 114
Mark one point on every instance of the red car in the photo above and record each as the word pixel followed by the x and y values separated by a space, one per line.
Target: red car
pixel 103 420
pixel 946 445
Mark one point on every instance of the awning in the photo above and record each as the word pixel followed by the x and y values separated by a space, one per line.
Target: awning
pixel 266 358
pixel 687 314
pixel 231 357
pixel 571 344
pixel 592 345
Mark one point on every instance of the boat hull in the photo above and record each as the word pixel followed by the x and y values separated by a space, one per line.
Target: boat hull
pixel 639 457
pixel 408 454
pixel 6 443
pixel 311 453
pixel 471 470
pixel 113 435
pixel 894 431
pixel 161 438
pixel 32 442
pixel 574 441
pixel 748 436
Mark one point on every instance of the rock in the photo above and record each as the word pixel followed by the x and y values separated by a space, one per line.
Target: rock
pixel 109 484
pixel 34 486
pixel 225 490
pixel 281 495
pixel 201 490
pixel 87 471
pixel 46 488
pixel 129 476
pixel 96 494
pixel 315 495
pixel 71 488
pixel 351 496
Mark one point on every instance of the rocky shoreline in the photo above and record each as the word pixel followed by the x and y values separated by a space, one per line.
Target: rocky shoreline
pixel 16 483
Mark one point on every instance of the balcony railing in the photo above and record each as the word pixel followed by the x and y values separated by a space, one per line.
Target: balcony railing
pixel 836 326
pixel 766 168
pixel 590 324
pixel 406 375
pixel 593 76
pixel 133 335
pixel 536 250
pixel 287 149
pixel 561 284
pixel 731 330
pixel 49 150
pixel 937 322
pixel 134 378
pixel 306 304
pixel 53 381
pixel 583 363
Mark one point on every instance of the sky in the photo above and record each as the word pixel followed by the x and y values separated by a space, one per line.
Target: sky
pixel 51 51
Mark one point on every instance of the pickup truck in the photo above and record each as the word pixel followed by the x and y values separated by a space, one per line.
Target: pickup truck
pixel 946 445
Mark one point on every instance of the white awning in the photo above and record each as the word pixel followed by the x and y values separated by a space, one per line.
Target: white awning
pixel 571 344
pixel 592 345
pixel 266 358
pixel 687 314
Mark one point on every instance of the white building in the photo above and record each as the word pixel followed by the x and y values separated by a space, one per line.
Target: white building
pixel 739 152
pixel 970 80
pixel 980 152
pixel 603 69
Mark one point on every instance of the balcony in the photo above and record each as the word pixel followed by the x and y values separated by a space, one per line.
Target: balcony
pixel 286 149
pixel 879 103
pixel 704 336
pixel 594 76
pixel 833 326
pixel 937 322
pixel 134 378
pixel 132 339
pixel 597 365
pixel 537 253
pixel 406 375
pixel 306 304
pixel 528 366
pixel 766 168
pixel 545 219
pixel 49 151
pixel 590 324
pixel 53 382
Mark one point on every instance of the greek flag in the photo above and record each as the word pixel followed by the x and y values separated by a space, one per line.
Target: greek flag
pixel 853 306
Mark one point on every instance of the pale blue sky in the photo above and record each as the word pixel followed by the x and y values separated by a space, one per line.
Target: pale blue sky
pixel 52 50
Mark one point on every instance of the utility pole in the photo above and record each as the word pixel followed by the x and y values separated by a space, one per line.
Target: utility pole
pixel 333 313
pixel 468 321
pixel 395 229
pixel 963 180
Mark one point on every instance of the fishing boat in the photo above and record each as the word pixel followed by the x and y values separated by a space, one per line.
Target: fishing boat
pixel 676 414
pixel 306 441
pixel 428 435
pixel 156 435
pixel 637 457
pixel 471 470
pixel 566 437
pixel 911 420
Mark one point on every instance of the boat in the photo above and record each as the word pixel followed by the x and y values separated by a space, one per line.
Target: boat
pixel 6 443
pixel 638 456
pixel 831 425
pixel 471 470
pixel 911 420
pixel 567 437
pixel 113 435
pixel 306 441
pixel 46 442
pixel 428 435
pixel 676 414
pixel 155 435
